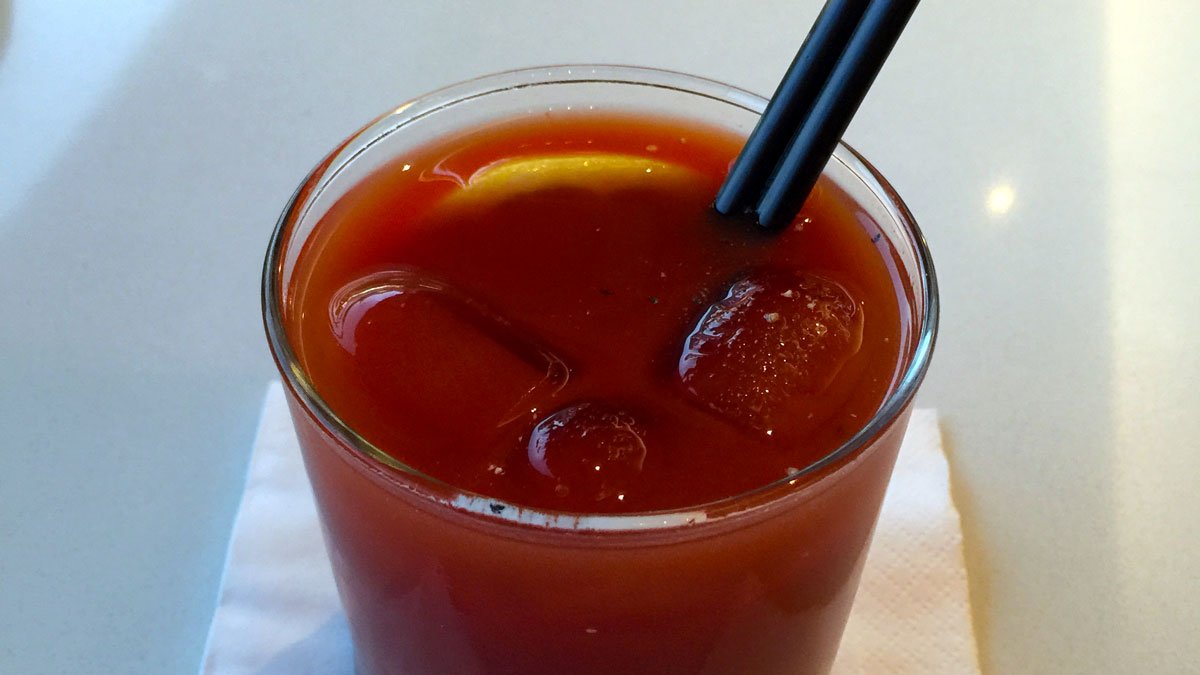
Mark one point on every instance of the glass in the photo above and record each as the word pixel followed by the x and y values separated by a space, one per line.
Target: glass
pixel 437 581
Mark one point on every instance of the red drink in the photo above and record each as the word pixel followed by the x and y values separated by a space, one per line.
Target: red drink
pixel 561 418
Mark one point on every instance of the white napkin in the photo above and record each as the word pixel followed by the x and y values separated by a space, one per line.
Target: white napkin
pixel 279 614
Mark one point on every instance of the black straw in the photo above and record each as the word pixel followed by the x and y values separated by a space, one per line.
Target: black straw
pixel 814 133
pixel 791 103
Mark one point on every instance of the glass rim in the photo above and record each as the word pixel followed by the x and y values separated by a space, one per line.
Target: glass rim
pixel 390 122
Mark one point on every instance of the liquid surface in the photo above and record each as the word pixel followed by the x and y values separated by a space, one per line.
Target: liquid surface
pixel 549 313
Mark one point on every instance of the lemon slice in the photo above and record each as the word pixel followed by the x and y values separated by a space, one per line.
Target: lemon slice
pixel 600 172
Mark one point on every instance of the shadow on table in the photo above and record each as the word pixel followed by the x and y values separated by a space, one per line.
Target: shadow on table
pixel 326 651
pixel 5 25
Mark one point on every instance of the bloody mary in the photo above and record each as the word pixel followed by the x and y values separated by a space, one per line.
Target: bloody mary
pixel 560 417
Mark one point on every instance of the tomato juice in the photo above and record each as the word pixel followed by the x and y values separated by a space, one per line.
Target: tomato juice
pixel 584 424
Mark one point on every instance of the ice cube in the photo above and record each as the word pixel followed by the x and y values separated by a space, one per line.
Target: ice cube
pixel 442 362
pixel 775 339
pixel 589 451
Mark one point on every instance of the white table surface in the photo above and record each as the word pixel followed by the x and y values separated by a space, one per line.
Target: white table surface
pixel 1047 147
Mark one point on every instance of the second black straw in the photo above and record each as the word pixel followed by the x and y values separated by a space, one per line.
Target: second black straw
pixel 811 109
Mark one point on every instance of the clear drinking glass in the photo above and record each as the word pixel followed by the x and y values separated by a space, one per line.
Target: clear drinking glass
pixel 434 580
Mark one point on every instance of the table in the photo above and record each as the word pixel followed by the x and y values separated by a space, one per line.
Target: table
pixel 146 149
